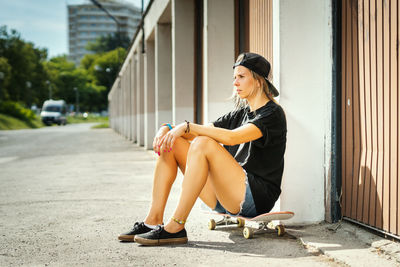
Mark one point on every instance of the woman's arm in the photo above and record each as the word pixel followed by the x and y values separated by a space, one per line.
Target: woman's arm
pixel 191 135
pixel 243 134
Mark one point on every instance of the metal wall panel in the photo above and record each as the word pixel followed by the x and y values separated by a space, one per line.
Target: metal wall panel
pixel 260 28
pixel 370 113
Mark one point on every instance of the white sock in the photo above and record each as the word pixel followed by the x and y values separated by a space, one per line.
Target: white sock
pixel 150 226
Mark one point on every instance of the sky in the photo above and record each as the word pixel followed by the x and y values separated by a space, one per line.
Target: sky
pixel 42 22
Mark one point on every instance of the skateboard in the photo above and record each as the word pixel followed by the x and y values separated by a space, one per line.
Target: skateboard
pixel 264 222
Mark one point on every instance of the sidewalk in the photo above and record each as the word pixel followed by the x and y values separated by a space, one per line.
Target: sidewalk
pixel 348 244
pixel 65 206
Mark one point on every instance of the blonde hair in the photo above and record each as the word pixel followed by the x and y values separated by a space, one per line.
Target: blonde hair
pixel 264 88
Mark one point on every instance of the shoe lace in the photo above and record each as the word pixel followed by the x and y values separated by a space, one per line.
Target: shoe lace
pixel 158 229
pixel 138 225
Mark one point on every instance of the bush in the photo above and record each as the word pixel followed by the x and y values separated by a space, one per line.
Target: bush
pixel 16 110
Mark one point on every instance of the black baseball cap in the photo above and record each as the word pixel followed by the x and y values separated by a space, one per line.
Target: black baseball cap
pixel 259 65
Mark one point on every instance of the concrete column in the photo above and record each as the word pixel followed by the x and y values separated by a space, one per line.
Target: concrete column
pixel 119 105
pixel 123 104
pixel 126 103
pixel 133 98
pixel 305 82
pixel 163 74
pixel 141 96
pixel 149 96
pixel 182 17
pixel 129 97
pixel 219 57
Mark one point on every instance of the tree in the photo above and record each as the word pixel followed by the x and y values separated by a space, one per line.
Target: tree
pixel 108 43
pixel 5 74
pixel 27 78
pixel 103 68
pixel 64 76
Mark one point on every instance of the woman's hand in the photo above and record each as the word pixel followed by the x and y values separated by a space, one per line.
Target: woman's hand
pixel 157 142
pixel 168 140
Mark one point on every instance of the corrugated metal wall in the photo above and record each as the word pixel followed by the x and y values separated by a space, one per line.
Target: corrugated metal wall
pixel 260 28
pixel 370 113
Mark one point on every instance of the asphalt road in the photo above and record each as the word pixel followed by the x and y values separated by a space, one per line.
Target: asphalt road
pixel 68 191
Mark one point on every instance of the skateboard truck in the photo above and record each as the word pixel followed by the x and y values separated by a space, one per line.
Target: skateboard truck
pixel 264 222
pixel 226 220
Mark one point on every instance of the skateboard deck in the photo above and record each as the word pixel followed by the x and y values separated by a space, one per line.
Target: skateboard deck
pixel 264 222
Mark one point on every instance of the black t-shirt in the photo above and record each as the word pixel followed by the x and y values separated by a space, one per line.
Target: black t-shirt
pixel 262 158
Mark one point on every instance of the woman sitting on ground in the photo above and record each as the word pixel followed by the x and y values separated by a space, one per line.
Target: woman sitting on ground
pixel 243 177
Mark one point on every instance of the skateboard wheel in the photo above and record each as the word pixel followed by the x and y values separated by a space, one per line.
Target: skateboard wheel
pixel 248 233
pixel 211 224
pixel 240 222
pixel 281 229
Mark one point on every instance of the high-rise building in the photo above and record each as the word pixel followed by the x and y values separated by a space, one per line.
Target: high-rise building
pixel 87 22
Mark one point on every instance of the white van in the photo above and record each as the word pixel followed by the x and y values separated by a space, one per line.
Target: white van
pixel 54 111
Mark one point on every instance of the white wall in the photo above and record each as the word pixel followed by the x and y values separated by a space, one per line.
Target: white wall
pixel 163 75
pixel 305 82
pixel 219 57
pixel 182 31
pixel 149 95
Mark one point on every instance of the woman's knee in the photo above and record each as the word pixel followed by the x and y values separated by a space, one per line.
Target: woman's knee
pixel 180 143
pixel 202 143
pixel 180 146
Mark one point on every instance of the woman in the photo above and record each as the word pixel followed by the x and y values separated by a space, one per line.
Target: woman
pixel 242 177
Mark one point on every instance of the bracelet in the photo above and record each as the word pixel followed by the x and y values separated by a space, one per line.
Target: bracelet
pixel 168 125
pixel 187 127
pixel 178 221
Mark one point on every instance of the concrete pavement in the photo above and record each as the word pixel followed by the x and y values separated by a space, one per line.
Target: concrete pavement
pixel 67 192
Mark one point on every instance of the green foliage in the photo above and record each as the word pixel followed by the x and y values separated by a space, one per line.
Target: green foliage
pixel 101 125
pixel 90 118
pixel 26 79
pixel 65 77
pixel 108 42
pixel 5 74
pixel 103 68
pixel 11 123
pixel 16 110
pixel 87 61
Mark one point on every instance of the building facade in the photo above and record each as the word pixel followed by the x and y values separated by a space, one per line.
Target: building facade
pixel 87 22
pixel 336 65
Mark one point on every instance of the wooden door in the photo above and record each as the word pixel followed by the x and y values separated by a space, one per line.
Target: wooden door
pixel 370 113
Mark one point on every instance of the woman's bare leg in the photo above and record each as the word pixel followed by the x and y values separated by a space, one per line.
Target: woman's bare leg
pixel 209 161
pixel 164 176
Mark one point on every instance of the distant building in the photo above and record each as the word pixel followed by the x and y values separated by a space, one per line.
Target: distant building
pixel 87 22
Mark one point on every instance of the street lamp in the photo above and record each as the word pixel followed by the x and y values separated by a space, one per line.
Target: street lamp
pixel 77 99
pixel 50 91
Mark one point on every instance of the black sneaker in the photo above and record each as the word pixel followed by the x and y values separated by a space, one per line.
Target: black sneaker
pixel 159 236
pixel 138 228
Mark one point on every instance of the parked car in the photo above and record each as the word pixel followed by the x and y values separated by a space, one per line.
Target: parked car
pixel 54 111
